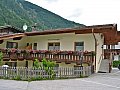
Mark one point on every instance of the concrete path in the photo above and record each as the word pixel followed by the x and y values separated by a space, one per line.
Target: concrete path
pixel 99 81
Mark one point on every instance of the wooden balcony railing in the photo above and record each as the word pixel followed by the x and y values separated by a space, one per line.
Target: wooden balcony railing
pixel 58 56
pixel 108 52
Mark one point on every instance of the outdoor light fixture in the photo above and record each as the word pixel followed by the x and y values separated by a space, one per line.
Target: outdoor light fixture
pixel 25 27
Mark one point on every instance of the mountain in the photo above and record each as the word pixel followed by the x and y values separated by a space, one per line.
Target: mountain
pixel 19 12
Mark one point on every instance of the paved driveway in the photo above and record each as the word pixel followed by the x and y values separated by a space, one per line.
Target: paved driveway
pixel 100 81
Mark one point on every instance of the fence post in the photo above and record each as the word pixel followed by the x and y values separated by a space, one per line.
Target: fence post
pixel 28 71
pixel 84 69
pixel 89 70
pixel 60 72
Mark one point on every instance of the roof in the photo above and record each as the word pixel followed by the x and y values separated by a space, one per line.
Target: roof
pixel 87 29
pixel 104 25
pixel 108 30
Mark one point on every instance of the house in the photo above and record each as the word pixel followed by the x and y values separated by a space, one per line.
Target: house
pixel 68 47
pixel 8 29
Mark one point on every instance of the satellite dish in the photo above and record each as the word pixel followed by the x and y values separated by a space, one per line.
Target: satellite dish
pixel 24 27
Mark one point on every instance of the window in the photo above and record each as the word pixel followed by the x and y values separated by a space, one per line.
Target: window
pixel 35 46
pixel 27 44
pixel 12 45
pixel 79 46
pixel 54 46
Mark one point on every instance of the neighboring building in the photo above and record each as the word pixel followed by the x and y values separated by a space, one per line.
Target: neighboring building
pixel 116 57
pixel 89 39
pixel 8 29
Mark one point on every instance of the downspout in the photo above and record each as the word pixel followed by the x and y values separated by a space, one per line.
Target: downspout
pixel 95 47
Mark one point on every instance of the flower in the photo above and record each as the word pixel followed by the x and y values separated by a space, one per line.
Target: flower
pixel 70 52
pixel 13 50
pixel 43 51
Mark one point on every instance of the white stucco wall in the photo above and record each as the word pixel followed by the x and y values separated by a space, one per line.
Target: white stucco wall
pixel 66 41
pixel 21 63
pixel 30 63
pixel 3 45
pixel 100 42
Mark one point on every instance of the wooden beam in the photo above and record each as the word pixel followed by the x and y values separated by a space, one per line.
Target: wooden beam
pixel 11 36
pixel 17 38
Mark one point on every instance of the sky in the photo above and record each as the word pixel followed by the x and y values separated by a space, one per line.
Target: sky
pixel 88 12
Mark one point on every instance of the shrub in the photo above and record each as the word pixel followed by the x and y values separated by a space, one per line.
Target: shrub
pixel 48 66
pixel 116 63
pixel 36 63
pixel 17 78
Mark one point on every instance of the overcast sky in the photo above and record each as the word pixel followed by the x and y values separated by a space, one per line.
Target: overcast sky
pixel 88 12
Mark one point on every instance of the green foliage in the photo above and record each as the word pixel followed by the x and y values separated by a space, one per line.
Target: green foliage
pixel 36 63
pixel 82 76
pixel 116 63
pixel 1 57
pixel 17 78
pixel 48 66
pixel 47 63
pixel 18 12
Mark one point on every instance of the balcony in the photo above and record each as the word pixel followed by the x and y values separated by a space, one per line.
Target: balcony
pixel 58 56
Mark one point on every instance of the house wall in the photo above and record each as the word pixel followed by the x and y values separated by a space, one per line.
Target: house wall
pixel 66 41
pixel 99 53
pixel 3 45
pixel 66 65
pixel 21 63
pixel 30 63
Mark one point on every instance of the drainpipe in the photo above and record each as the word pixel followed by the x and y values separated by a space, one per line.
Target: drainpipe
pixel 95 46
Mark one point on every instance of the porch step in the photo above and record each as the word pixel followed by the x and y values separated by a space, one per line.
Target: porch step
pixel 104 66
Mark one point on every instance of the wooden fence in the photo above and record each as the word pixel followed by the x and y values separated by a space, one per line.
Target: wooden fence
pixel 25 73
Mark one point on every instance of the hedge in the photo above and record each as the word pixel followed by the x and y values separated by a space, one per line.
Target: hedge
pixel 116 63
